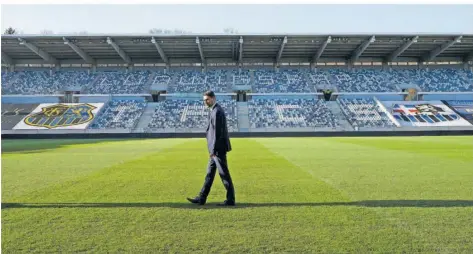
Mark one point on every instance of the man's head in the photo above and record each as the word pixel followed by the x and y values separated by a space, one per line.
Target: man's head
pixel 209 98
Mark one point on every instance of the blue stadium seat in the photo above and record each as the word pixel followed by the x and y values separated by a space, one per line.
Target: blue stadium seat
pixel 32 82
pixel 190 114
pixel 193 81
pixel 290 113
pixel 364 113
pixel 240 77
pixel 117 82
pixel 437 80
pixel 361 80
pixel 119 114
pixel 284 81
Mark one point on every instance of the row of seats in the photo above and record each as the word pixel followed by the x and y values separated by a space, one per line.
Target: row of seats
pixel 284 81
pixel 366 80
pixel 119 83
pixel 290 113
pixel 438 80
pixel 361 80
pixel 198 82
pixel 364 113
pixel 261 81
pixel 190 114
pixel 460 102
pixel 42 82
pixel 29 83
pixel 119 114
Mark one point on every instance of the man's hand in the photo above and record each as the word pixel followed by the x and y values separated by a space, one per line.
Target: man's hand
pixel 212 155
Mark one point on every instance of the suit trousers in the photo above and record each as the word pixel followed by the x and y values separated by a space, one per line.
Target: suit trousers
pixel 218 162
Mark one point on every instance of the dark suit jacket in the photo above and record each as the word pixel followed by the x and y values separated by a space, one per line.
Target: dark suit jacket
pixel 217 132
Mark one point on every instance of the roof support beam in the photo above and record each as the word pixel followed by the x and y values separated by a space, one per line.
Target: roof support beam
pixel 7 59
pixel 120 51
pixel 357 53
pixel 79 51
pixel 240 55
pixel 46 56
pixel 201 51
pixel 281 49
pixel 320 50
pixel 401 49
pixel 434 53
pixel 160 50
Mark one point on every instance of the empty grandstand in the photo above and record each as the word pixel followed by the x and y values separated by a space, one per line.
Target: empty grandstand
pixel 119 82
pixel 365 113
pixel 187 114
pixel 283 81
pixel 197 81
pixel 312 82
pixel 119 114
pixel 290 113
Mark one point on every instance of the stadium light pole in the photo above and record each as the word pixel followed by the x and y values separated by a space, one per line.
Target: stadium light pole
pixel 120 51
pixel 7 59
pixel 281 49
pixel 201 51
pixel 80 52
pixel 357 53
pixel 41 53
pixel 434 53
pixel 160 51
pixel 320 50
pixel 401 49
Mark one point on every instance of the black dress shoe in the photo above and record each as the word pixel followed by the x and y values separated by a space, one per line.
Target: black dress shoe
pixel 197 200
pixel 227 203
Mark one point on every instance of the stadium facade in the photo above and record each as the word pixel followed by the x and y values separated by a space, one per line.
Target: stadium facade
pixel 267 83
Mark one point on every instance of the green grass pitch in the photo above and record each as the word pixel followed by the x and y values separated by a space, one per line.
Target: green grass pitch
pixel 298 195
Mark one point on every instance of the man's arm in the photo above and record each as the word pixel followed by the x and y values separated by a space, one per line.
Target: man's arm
pixel 219 125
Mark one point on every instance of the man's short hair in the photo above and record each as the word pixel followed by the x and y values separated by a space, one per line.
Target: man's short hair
pixel 210 94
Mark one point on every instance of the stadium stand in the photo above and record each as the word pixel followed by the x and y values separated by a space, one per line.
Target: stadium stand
pixel 161 78
pixel 29 83
pixel 460 102
pixel 290 113
pixel 42 82
pixel 225 66
pixel 364 113
pixel 265 81
pixel 117 82
pixel 361 80
pixel 193 81
pixel 444 80
pixel 320 78
pixel 284 81
pixel 119 114
pixel 240 77
pixel 190 114
pixel 66 79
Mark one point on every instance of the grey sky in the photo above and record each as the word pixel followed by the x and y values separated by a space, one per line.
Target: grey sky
pixel 319 19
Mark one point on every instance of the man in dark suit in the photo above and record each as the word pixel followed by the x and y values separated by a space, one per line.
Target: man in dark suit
pixel 218 144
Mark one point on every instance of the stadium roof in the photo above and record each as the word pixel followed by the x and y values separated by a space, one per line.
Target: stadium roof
pixel 170 49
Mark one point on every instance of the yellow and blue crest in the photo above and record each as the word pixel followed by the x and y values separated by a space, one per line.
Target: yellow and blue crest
pixel 61 115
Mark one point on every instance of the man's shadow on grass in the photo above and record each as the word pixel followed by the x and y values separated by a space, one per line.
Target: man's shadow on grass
pixel 210 205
